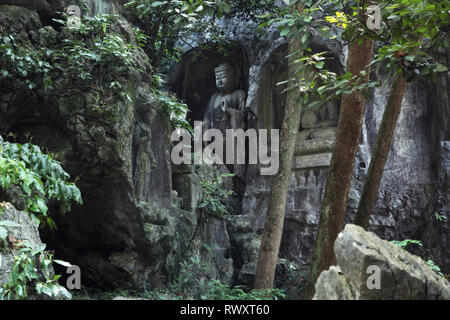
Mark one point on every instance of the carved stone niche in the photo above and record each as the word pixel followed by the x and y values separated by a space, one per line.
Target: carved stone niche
pixel 272 98
pixel 317 130
pixel 193 78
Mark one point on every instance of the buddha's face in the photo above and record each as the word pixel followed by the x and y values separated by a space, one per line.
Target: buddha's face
pixel 224 81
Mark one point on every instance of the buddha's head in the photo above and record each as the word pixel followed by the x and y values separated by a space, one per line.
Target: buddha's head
pixel 224 77
pixel 309 120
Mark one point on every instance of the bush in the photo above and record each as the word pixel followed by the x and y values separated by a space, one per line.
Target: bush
pixel 32 270
pixel 93 49
pixel 40 178
pixel 214 200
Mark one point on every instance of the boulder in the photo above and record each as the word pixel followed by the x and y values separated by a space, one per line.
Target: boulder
pixel 45 8
pixel 333 286
pixel 27 231
pixel 372 268
pixel 18 19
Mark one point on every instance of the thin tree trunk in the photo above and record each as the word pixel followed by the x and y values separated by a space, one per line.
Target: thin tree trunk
pixel 334 203
pixel 381 151
pixel 273 228
pixel 162 48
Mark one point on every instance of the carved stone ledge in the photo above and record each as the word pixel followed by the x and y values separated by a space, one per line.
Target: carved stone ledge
pixel 307 147
pixel 311 161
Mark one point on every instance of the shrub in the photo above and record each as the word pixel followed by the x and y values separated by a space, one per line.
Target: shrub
pixel 214 200
pixel 40 178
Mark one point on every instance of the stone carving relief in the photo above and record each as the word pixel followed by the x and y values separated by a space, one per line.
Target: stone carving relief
pixel 194 78
pixel 226 107
pixel 214 84
pixel 316 136
pixel 321 123
pixel 226 110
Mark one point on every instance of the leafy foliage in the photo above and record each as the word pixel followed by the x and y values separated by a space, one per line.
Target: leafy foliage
pixel 216 290
pixel 41 179
pixel 175 110
pixel 402 244
pixel 166 22
pixel 434 267
pixel 440 216
pixel 193 284
pixel 313 83
pixel 214 200
pixel 171 106
pixel 94 48
pixel 162 21
pixel 32 268
pixel 27 66
pixel 316 85
pixel 410 33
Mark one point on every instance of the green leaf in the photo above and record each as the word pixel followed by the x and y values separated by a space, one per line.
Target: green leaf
pixel 8 223
pixel 284 32
pixel 440 68
pixel 157 4
pixel 224 7
pixel 35 219
pixel 320 64
pixel 63 263
pixel 39 249
pixel 305 38
pixel 41 205
pixel 3 233
pixel 65 292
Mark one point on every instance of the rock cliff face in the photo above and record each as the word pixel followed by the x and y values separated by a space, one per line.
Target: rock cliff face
pixel 24 231
pixel 133 229
pixel 415 182
pixel 27 231
pixel 127 234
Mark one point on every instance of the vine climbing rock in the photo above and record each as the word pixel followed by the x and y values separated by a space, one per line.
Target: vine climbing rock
pixel 372 268
pixel 24 230
pixel 27 231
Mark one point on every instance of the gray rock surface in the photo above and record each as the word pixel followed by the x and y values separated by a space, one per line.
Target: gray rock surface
pixel 127 234
pixel 26 231
pixel 211 242
pixel 332 285
pixel 134 230
pixel 402 276
pixel 415 183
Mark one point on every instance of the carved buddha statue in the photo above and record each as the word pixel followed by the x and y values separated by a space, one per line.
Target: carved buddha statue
pixel 226 110
pixel 320 123
pixel 226 107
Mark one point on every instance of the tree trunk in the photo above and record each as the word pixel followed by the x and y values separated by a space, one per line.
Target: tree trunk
pixel 334 203
pixel 273 228
pixel 380 152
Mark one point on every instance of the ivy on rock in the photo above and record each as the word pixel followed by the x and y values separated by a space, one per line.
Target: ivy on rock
pixel 40 178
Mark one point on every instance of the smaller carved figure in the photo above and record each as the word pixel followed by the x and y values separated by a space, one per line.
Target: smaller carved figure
pixel 321 123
